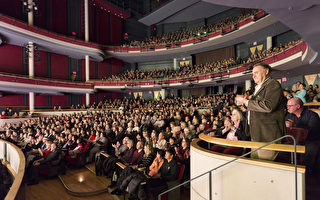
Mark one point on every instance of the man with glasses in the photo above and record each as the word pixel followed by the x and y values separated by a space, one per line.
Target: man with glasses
pixel 300 117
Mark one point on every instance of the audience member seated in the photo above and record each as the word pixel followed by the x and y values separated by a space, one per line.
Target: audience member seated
pixel 43 163
pixel 300 117
pixel 169 171
pixel 301 93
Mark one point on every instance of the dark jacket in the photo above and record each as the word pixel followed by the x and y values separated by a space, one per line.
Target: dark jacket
pixel 267 113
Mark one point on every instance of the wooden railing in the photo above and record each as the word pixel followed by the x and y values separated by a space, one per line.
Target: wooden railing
pixel 16 171
pixel 253 145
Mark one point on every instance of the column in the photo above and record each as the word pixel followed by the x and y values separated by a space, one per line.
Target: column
pixel 31 59
pixel 248 84
pixel 269 42
pixel 163 93
pixel 31 102
pixel 31 73
pixel 87 99
pixel 86 21
pixel 175 64
pixel 30 13
pixel 86 36
pixel 87 79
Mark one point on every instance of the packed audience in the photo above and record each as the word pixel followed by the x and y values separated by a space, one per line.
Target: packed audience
pixel 192 33
pixel 8 113
pixel 196 70
pixel 146 136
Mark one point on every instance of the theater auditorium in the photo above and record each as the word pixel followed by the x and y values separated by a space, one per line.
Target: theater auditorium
pixel 159 100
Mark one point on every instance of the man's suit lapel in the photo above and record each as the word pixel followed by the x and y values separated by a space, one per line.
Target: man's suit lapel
pixel 262 86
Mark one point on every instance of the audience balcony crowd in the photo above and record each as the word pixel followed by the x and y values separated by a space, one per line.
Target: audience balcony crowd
pixel 196 70
pixel 193 33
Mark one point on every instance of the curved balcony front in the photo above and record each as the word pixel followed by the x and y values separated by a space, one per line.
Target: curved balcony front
pixel 261 24
pixel 288 59
pixel 24 84
pixel 19 33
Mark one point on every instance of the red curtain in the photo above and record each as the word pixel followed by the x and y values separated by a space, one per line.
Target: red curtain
pixel 11 100
pixel 103 69
pixel 116 67
pixel 116 30
pixel 102 26
pixel 57 100
pixel 59 66
pixel 11 59
pixel 40 64
pixel 41 100
pixel 40 18
pixel 12 8
pixel 58 16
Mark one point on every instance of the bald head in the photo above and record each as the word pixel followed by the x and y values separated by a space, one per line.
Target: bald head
pixel 295 106
pixel 296 100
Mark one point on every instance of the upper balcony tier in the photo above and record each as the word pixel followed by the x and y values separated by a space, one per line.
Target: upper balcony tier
pixel 24 84
pixel 19 33
pixel 261 24
pixel 16 32
pixel 295 56
pixel 292 57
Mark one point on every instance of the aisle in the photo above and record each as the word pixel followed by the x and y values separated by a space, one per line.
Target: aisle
pixel 53 189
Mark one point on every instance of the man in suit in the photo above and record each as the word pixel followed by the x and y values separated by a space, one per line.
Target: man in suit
pixel 266 109
pixel 43 163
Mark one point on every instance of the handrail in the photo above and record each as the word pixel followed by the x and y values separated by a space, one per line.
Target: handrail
pixel 237 158
pixel 249 144
pixel 18 176
pixel 312 104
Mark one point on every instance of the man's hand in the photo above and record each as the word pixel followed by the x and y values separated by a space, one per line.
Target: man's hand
pixel 290 123
pixel 240 99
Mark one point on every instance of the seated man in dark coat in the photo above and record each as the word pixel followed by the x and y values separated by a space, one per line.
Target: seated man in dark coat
pixel 43 163
pixel 303 118
pixel 169 171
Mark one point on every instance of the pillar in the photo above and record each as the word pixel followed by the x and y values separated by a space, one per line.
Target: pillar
pixel 86 37
pixel 269 42
pixel 87 99
pixel 248 84
pixel 163 93
pixel 30 13
pixel 31 102
pixel 175 64
pixel 31 73
pixel 86 20
pixel 31 59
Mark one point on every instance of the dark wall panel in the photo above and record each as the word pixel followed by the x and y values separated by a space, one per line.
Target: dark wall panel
pixel 57 100
pixel 11 59
pixel 103 69
pixel 11 100
pixel 59 66
pixel 40 17
pixel 40 100
pixel 12 8
pixel 58 16
pixel 102 26
pixel 40 64
pixel 116 66
pixel 116 30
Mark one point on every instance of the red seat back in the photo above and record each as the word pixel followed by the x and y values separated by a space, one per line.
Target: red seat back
pixel 299 134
